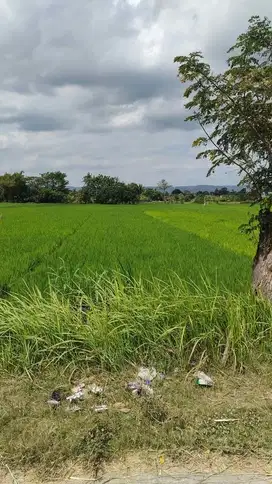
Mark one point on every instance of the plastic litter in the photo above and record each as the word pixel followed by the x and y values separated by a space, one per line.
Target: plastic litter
pixel 203 379
pixel 77 393
pixel 95 389
pixel 53 403
pixel 142 387
pixel 75 396
pixel 147 390
pixel 73 409
pixel 226 420
pixel 161 463
pixel 54 400
pixel 78 388
pixel 56 395
pixel 161 459
pixel 134 387
pixel 147 374
pixel 100 408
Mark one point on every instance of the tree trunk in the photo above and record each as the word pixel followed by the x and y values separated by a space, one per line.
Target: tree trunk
pixel 262 264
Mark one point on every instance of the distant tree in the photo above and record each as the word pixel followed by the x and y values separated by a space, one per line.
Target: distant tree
pixel 105 189
pixel 163 185
pixel 241 195
pixel 176 191
pixel 33 186
pixel 132 193
pixel 55 181
pixel 50 187
pixel 2 194
pixel 221 191
pixel 99 188
pixel 153 195
pixel 188 196
pixel 74 196
pixel 13 187
pixel 234 109
pixel 178 197
pixel 200 198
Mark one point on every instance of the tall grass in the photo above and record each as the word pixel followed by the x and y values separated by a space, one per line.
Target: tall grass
pixel 131 321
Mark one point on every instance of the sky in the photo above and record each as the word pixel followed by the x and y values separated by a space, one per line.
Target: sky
pixel 90 85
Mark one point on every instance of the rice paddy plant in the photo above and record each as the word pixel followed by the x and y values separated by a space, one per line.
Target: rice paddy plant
pixel 35 240
pixel 31 233
pixel 217 223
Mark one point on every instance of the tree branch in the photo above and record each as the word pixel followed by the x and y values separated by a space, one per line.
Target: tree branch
pixel 268 144
pixel 229 158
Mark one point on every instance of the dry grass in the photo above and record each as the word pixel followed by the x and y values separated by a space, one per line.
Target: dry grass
pixel 178 421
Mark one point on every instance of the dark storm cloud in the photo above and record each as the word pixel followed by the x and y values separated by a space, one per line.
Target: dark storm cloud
pixel 62 43
pixel 170 121
pixel 129 85
pixel 32 122
pixel 91 85
pixel 36 122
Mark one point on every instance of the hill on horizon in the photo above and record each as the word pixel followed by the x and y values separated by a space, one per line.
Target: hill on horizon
pixel 205 188
pixel 189 188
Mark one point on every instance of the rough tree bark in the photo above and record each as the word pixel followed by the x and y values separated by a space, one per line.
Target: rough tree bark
pixel 262 264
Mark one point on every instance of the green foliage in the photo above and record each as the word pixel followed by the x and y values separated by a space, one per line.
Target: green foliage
pixel 167 323
pixel 163 186
pixel 176 191
pixel 199 199
pixel 13 187
pixel 234 108
pixel 188 196
pixel 50 187
pixel 152 195
pixel 105 189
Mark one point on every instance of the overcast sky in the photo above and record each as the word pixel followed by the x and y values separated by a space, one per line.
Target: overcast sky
pixel 90 85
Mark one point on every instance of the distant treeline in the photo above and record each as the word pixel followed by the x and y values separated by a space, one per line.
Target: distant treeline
pixel 222 195
pixel 53 187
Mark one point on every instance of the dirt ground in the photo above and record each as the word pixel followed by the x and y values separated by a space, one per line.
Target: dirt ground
pixel 208 464
pixel 181 429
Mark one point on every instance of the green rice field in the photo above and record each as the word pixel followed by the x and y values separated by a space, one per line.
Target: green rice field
pixel 162 283
pixel 192 241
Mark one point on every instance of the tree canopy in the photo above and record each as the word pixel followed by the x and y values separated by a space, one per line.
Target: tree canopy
pixel 234 110
pixel 52 187
pixel 106 189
